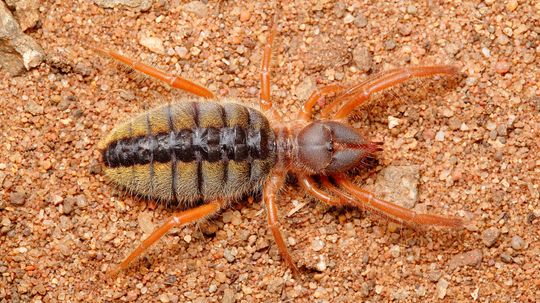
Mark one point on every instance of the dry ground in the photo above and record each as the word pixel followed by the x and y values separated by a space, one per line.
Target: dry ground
pixel 474 139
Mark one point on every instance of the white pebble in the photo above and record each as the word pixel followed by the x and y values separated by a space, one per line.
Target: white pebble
pixel 393 122
pixel 152 43
pixel 317 244
pixel 440 136
pixel 321 265
pixel 486 52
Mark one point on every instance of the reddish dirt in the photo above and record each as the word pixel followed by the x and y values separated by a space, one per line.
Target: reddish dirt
pixel 473 138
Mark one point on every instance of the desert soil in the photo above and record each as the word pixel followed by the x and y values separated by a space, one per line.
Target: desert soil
pixel 466 146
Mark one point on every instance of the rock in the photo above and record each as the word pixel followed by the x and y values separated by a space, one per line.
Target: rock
pixel 470 258
pixel 398 184
pixel 17 198
pixel 68 205
pixel 17 50
pixel 395 251
pixel 361 21
pixel 152 43
pixel 317 244
pixel 411 9
pixel 442 285
pixel 389 44
pixel 518 243
pixel 362 58
pixel 145 222
pixel 164 298
pixel 142 5
pixel 227 253
pixel 348 19
pixel 393 122
pixel 305 88
pixel 502 67
pixel 325 55
pixel 26 12
pixel 196 7
pixel 321 265
pixel 228 296
pixel 275 285
pixel 440 136
pixel 490 235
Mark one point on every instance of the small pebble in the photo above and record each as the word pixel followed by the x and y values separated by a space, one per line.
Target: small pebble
pixel 502 39
pixel 317 244
pixel 395 251
pixel 362 58
pixel 442 286
pixel 511 5
pixel 196 7
pixel 502 67
pixel 245 15
pixel 181 51
pixel 401 294
pixel 405 29
pixel 506 258
pixel 152 43
pixel 389 44
pixel 145 222
pixel 447 113
pixel 518 243
pixel 68 205
pixel 486 52
pixel 393 122
pixel 411 9
pixel 321 265
pixel 360 21
pixel 470 258
pixel 195 51
pixel 228 296
pixel 17 198
pixel 227 253
pixel 454 123
pixel 490 236
pixel 502 130
pixel 439 136
pixel 348 19
pixel 164 298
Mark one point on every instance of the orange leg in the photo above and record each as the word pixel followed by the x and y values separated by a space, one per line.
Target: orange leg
pixel 359 93
pixel 175 82
pixel 311 187
pixel 327 184
pixel 265 101
pixel 270 190
pixel 316 96
pixel 177 219
pixel 395 212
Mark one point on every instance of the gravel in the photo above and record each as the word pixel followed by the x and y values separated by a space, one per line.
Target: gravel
pixel 470 258
pixel 490 236
pixel 54 114
pixel 362 58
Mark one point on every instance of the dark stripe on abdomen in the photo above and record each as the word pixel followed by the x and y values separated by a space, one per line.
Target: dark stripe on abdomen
pixel 201 144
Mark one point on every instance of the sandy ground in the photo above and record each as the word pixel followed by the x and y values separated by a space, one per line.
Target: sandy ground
pixel 474 140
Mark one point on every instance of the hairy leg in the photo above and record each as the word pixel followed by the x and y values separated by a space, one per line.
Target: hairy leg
pixel 355 95
pixel 177 219
pixel 395 212
pixel 265 99
pixel 312 188
pixel 316 97
pixel 269 196
pixel 173 81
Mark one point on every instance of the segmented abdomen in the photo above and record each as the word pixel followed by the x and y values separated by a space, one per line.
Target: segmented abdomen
pixel 191 150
